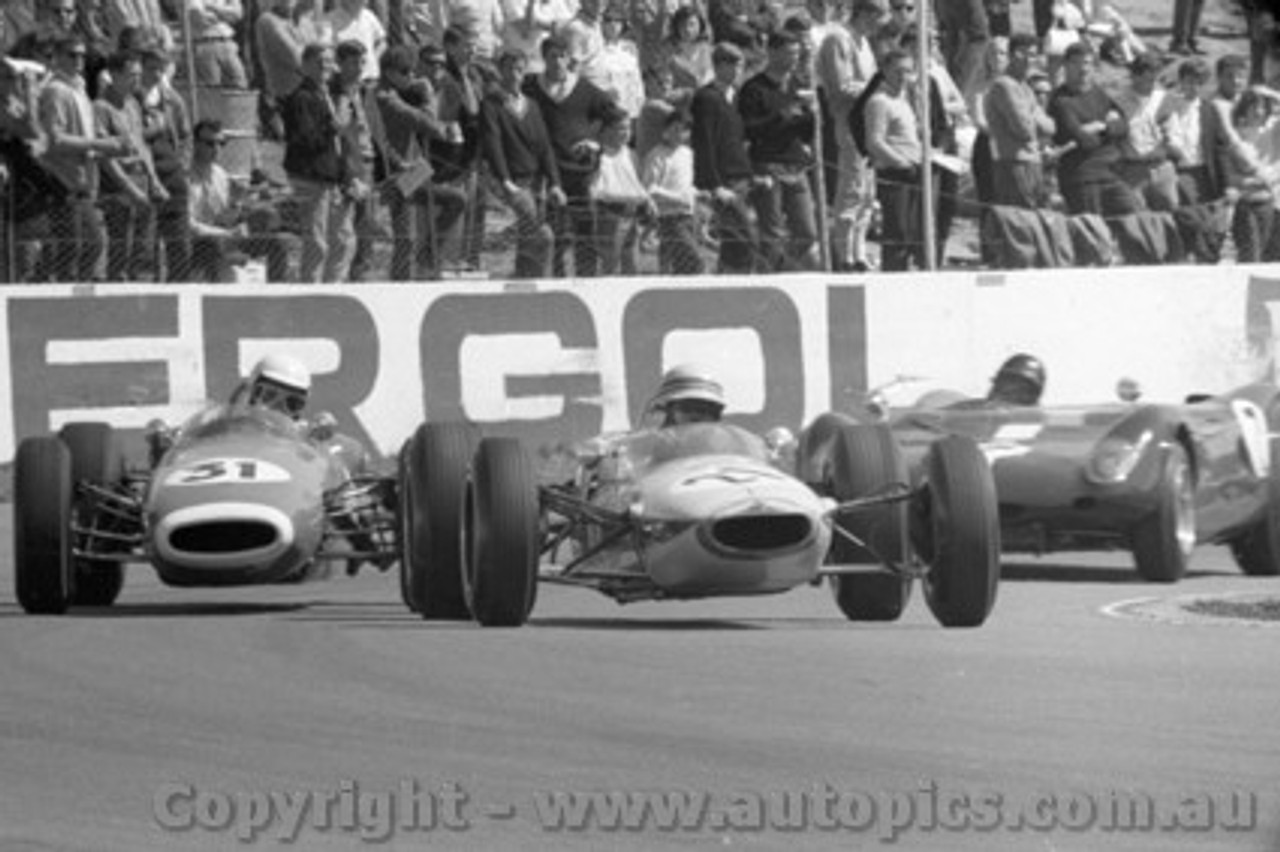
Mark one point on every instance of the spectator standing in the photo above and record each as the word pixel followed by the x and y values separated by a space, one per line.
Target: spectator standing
pixel 1146 166
pixel 351 20
pixel 350 98
pixel 668 175
pixel 213 33
pixel 223 225
pixel 28 192
pixel 460 87
pixel 586 40
pixel 1186 27
pixel 317 172
pixel 1016 123
pixel 721 167
pixel 1185 120
pixel 619 198
pixel 1254 223
pixel 846 63
pixel 894 146
pixel 68 122
pixel 994 66
pixel 167 129
pixel 423 214
pixel 280 34
pixel 518 152
pixel 687 55
pixel 574 111
pixel 129 184
pixel 779 126
pixel 17 18
pixel 527 22
pixel 1086 115
pixel 965 33
pixel 619 63
pixel 144 15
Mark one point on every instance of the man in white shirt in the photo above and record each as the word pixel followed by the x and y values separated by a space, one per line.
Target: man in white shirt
pixel 1146 166
pixel 350 20
pixel 894 147
pixel 1181 120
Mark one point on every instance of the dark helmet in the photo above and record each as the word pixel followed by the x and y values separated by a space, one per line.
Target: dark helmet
pixel 1019 381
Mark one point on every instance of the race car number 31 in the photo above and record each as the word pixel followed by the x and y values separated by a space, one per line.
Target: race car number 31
pixel 224 471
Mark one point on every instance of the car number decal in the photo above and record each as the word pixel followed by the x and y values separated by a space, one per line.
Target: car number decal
pixel 224 471
pixel 1254 434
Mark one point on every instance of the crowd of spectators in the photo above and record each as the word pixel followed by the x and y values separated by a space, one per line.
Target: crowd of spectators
pixel 411 139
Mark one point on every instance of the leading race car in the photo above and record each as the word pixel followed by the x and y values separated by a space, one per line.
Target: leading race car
pixel 237 496
pixel 1156 479
pixel 695 511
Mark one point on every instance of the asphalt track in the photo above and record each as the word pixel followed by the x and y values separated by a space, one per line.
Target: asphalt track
pixel 178 701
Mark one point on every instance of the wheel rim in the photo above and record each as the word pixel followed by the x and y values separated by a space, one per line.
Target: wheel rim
pixel 1184 510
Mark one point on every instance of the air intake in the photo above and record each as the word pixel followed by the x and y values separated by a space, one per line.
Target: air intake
pixel 762 533
pixel 223 537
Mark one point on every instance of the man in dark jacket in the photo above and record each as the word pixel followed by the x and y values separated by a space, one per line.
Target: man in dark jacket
pixel 317 172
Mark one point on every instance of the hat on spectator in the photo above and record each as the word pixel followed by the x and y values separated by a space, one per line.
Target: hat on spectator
pixel 726 51
pixel 349 48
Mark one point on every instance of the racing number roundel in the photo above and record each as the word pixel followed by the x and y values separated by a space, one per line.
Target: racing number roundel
pixel 226 471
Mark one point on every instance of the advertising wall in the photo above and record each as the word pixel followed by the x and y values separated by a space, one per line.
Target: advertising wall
pixel 560 361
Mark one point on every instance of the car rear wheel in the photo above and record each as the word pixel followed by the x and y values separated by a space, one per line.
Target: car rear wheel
pixel 433 478
pixel 1257 551
pixel 1162 543
pixel 958 533
pixel 500 534
pixel 866 460
pixel 95 460
pixel 41 526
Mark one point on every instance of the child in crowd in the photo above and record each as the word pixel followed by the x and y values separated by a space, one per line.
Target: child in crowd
pixel 668 175
pixel 619 198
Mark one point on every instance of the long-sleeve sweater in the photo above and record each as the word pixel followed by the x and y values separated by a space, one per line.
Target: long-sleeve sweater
pixel 516 147
pixel 1095 154
pixel 579 115
pixel 778 133
pixel 718 140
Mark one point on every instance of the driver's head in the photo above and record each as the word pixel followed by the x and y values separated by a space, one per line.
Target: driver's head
pixel 688 394
pixel 1019 381
pixel 281 384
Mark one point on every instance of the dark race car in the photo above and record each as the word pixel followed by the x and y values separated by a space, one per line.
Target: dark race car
pixel 1155 479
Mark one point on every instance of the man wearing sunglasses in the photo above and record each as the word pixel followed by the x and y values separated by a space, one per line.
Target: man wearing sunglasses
pixel 226 228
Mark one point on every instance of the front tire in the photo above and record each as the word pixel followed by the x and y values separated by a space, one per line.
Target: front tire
pixel 1257 550
pixel 866 460
pixel 96 460
pixel 959 534
pixel 500 535
pixel 42 489
pixel 1162 543
pixel 433 478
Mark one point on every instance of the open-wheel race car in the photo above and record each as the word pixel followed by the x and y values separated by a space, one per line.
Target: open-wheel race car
pixel 1156 479
pixel 696 511
pixel 237 496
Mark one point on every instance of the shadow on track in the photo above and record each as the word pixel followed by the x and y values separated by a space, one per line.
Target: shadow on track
pixel 1055 572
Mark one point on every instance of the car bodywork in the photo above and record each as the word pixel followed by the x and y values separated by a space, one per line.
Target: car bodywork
pixel 1153 478
pixel 236 496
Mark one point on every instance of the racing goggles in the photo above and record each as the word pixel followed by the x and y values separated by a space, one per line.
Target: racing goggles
pixel 278 397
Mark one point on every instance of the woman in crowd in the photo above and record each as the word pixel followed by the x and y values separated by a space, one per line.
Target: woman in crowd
pixel 687 55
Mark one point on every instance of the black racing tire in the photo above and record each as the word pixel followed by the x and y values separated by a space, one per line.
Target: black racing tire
pixel 1257 550
pixel 433 479
pixel 958 533
pixel 1163 541
pixel 501 534
pixel 403 531
pixel 95 458
pixel 865 460
pixel 42 490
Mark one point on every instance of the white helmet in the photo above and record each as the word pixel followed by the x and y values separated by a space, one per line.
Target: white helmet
pixel 689 383
pixel 280 382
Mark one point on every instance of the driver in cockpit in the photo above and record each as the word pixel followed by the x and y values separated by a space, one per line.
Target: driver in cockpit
pixel 688 394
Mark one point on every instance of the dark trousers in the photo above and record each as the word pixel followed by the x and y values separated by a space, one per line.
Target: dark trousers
pixel 77 236
pixel 1108 197
pixel 1251 228
pixel 1186 21
pixel 736 234
pixel 786 218
pixel 1042 15
pixel 129 228
pixel 574 226
pixel 902 226
pixel 1018 183
pixel 211 257
pixel 678 246
pixel 421 225
pixel 173 231
pixel 534 238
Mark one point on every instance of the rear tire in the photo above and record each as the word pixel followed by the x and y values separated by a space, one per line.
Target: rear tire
pixel 866 459
pixel 94 459
pixel 42 491
pixel 1162 543
pixel 1257 551
pixel 433 478
pixel 959 536
pixel 500 534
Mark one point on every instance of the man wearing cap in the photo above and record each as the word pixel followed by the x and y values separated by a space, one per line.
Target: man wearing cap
pixel 68 121
pixel 217 56
pixel 1146 166
pixel 1015 125
pixel 846 63
pixel 779 125
pixel 721 166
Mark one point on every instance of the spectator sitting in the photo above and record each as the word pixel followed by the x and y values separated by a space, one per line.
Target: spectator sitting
pixel 1146 166
pixel 668 175
pixel 1086 115
pixel 225 229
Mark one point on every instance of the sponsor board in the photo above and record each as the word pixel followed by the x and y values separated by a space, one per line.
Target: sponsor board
pixel 561 361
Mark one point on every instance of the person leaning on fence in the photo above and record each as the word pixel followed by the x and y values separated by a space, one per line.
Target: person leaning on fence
pixel 779 125
pixel 518 152
pixel 421 210
pixel 894 146
pixel 460 88
pixel 167 129
pixel 317 171
pixel 619 198
pixel 574 111
pixel 721 167
pixel 668 175
pixel 129 184
pixel 1015 125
